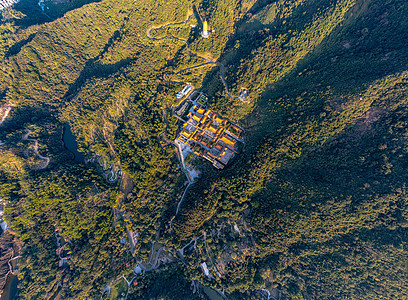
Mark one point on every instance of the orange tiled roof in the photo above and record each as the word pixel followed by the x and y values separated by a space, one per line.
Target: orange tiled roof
pixel 210 154
pixel 196 117
pixel 206 119
pixel 201 110
pixel 238 130
pixel 212 129
pixel 218 146
pixel 185 133
pixel 228 141
pixel 218 119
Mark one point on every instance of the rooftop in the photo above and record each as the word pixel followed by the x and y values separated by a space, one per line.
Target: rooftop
pixel 210 136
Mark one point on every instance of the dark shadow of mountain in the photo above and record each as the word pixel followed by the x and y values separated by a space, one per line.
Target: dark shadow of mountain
pixel 256 36
pixel 94 69
pixel 59 8
pixel 376 50
pixel 351 58
pixel 16 48
pixel 2 96
pixel 26 115
pixel 34 15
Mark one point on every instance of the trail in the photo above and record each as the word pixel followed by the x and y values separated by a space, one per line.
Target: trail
pixel 180 252
pixel 154 266
pixel 192 54
pixel 190 181
pixel 128 284
pixel 45 159
pixel 267 292
pixel 166 25
pixel 163 134
pixel 112 172
pixel 192 240
pixel 11 271
pixel 209 256
pixel 182 197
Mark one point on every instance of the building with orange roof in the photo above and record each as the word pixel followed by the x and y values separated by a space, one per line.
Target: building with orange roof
pixel 210 136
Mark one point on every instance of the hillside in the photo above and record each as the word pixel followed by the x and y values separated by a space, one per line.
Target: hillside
pixel 313 206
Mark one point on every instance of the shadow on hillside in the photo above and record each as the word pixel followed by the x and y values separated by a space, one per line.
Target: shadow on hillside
pixel 367 46
pixel 352 57
pixel 16 48
pixel 344 65
pixel 94 69
pixel 34 15
pixel 252 34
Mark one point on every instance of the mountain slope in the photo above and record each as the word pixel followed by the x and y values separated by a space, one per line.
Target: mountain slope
pixel 313 208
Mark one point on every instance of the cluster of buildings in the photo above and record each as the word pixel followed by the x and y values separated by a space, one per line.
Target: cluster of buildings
pixel 206 133
pixel 210 136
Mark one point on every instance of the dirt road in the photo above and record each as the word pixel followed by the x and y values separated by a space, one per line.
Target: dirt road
pixel 207 60
pixel 46 160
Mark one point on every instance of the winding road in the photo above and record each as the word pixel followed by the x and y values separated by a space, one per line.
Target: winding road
pixel 154 266
pixel 112 172
pixel 207 60
pixel 45 159
pixel 11 270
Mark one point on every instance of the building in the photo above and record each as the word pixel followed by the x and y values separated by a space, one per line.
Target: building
pixel 205 34
pixel 244 95
pixel 205 269
pixel 210 136
pixel 201 100
pixel 185 91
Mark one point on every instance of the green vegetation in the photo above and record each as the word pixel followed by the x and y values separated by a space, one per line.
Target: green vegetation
pixel 315 207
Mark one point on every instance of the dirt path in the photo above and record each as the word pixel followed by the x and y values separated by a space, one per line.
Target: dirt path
pixel 189 243
pixel 167 25
pixel 207 60
pixel 45 159
pixel 209 253
pixel 182 197
pixel 163 134
pixel 154 266
pixel 267 292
